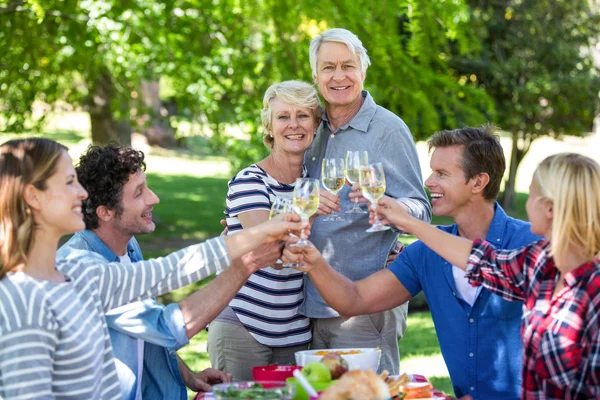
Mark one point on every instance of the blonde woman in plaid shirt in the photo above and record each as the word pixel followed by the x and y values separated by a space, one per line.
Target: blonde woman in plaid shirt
pixel 557 278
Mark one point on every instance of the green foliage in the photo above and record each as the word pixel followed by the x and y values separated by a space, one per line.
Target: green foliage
pixel 536 62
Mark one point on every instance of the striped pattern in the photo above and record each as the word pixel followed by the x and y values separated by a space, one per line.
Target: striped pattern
pixel 268 303
pixel 54 341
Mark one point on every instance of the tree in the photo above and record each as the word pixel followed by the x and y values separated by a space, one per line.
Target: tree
pixel 536 63
pixel 220 56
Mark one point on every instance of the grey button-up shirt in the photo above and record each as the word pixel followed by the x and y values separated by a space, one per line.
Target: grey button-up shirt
pixel 345 245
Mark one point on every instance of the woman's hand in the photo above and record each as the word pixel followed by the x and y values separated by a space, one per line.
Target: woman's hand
pixel 328 203
pixel 309 256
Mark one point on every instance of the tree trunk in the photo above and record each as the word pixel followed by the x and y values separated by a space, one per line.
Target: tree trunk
pixel 103 124
pixel 158 131
pixel 516 156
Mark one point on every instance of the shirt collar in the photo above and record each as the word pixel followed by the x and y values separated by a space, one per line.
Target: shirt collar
pixel 363 118
pixel 495 234
pixel 581 272
pixel 98 246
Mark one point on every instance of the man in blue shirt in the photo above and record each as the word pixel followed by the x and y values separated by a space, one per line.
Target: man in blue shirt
pixel 145 335
pixel 478 331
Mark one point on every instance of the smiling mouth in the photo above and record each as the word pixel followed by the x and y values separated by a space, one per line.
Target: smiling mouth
pixel 295 137
pixel 435 196
pixel 147 215
pixel 340 88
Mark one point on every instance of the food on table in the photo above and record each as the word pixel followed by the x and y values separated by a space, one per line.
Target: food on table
pixel 357 385
pixel 416 390
pixel 343 353
pixel 336 364
pixel 316 371
pixel 394 384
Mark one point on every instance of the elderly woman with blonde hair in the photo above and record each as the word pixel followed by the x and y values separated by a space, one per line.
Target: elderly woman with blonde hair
pixel 557 278
pixel 262 324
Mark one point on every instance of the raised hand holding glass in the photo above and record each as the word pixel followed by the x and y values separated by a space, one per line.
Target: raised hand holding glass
pixel 355 161
pixel 372 186
pixel 332 176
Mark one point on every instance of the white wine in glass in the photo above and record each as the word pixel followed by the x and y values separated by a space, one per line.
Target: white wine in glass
pixel 305 202
pixel 332 176
pixel 355 161
pixel 372 186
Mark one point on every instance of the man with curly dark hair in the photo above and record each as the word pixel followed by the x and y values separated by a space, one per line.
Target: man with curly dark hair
pixel 145 335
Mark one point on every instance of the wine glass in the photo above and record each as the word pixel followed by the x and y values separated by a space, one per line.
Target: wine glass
pixel 305 203
pixel 372 186
pixel 280 206
pixel 355 161
pixel 332 176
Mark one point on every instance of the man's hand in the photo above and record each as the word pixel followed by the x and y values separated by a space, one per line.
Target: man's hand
pixel 390 212
pixel 309 256
pixel 262 257
pixel 328 203
pixel 203 381
pixel 356 195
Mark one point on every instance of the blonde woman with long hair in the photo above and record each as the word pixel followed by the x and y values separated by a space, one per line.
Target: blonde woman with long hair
pixel 557 278
pixel 54 341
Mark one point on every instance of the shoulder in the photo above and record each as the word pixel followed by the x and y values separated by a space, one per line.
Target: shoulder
pixel 390 120
pixel 23 302
pixel 519 232
pixel 76 242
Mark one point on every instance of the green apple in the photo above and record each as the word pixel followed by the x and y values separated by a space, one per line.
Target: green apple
pixel 317 372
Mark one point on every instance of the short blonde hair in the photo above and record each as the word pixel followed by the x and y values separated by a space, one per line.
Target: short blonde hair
pixel 22 162
pixel 572 182
pixel 297 93
pixel 343 36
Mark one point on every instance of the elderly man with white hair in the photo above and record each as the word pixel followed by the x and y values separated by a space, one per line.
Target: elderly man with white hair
pixel 352 121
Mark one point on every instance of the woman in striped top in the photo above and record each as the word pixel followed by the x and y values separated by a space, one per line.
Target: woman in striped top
pixel 54 341
pixel 262 324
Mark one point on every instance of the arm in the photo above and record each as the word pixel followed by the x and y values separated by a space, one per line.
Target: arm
pixel 504 272
pixel 377 292
pixel 121 283
pixel 201 381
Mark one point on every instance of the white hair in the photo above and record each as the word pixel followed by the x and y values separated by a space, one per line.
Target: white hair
pixel 339 35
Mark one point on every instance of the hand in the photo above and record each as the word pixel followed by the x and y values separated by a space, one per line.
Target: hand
pixel 263 256
pixel 328 203
pixel 356 195
pixel 390 212
pixel 278 228
pixel 398 248
pixel 309 256
pixel 203 381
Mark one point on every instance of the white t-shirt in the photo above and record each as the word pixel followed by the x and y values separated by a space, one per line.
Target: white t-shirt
pixel 463 287
pixel 140 346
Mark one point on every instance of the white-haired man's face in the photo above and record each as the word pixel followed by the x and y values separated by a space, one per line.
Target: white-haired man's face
pixel 339 75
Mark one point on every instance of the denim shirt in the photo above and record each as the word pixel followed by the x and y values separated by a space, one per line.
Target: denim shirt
pixel 162 328
pixel 481 344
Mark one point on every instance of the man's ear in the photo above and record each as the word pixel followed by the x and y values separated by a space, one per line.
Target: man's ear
pixel 480 181
pixel 104 213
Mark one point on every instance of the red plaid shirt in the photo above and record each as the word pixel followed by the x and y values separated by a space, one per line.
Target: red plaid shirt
pixel 561 340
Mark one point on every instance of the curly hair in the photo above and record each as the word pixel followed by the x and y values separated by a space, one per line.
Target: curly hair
pixel 103 171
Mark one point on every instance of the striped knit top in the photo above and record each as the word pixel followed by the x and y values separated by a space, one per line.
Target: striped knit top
pixel 54 342
pixel 268 303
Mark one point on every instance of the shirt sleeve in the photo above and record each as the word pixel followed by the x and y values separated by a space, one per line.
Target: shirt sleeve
pixel 405 271
pixel 151 322
pixel 27 347
pixel 403 176
pixel 591 358
pixel 120 284
pixel 247 193
pixel 503 272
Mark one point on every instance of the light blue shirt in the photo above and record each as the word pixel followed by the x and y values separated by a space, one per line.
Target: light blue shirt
pixel 481 344
pixel 162 328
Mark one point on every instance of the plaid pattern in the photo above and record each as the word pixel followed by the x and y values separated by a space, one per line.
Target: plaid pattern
pixel 561 341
